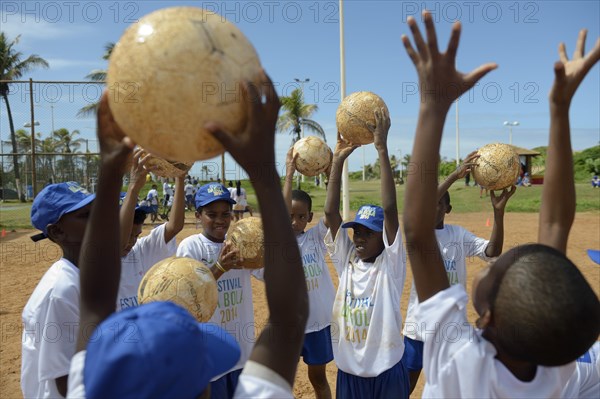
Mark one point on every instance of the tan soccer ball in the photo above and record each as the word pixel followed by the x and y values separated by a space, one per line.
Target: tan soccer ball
pixel 355 116
pixel 184 281
pixel 314 156
pixel 497 166
pixel 173 71
pixel 247 236
pixel 164 168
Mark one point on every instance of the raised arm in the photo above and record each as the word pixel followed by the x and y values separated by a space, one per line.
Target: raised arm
pixel 137 179
pixel 333 218
pixel 278 346
pixel 177 214
pixel 440 84
pixel 289 179
pixel 460 172
pixel 558 195
pixel 388 187
pixel 100 257
pixel 494 247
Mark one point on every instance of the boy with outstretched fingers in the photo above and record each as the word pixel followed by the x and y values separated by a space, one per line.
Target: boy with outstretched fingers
pixel 366 321
pixel 537 313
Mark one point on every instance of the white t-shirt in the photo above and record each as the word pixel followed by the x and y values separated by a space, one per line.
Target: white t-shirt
pixel 235 312
pixel 259 381
pixel 239 199
pixel 146 252
pixel 585 381
pixel 456 246
pixel 459 363
pixel 76 388
pixel 189 189
pixel 50 325
pixel 366 322
pixel 152 197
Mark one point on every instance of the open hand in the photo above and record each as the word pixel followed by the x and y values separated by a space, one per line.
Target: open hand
pixel 467 165
pixel 439 81
pixel 570 73
pixel 343 148
pixel 382 127
pixel 230 257
pixel 115 147
pixel 290 162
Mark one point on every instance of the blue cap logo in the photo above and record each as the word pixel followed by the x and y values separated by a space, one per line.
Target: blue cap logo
pixel 370 216
pixel 212 192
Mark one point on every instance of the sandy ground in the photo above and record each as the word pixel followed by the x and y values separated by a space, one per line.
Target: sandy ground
pixel 23 263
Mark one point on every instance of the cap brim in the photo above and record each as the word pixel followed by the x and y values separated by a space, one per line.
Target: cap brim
pixel 80 204
pixel 367 225
pixel 38 237
pixel 200 204
pixel 594 255
pixel 223 351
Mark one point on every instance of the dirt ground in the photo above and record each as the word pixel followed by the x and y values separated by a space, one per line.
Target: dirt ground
pixel 23 263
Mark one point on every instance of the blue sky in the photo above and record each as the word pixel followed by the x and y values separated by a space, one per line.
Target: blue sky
pixel 300 39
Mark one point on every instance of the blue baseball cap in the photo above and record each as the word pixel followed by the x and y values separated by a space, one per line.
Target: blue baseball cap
pixel 594 255
pixel 370 216
pixel 55 201
pixel 212 192
pixel 156 350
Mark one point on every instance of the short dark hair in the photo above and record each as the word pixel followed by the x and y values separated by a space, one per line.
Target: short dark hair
pixel 544 310
pixel 139 216
pixel 299 195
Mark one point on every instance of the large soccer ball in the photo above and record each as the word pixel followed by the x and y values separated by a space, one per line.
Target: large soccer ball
pixel 164 168
pixel 173 71
pixel 314 156
pixel 497 167
pixel 355 116
pixel 247 236
pixel 185 281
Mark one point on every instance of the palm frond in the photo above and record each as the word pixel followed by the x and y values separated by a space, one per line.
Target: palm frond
pixel 97 75
pixel 314 127
pixel 88 110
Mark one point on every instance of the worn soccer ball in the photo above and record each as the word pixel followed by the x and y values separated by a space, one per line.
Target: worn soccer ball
pixel 314 156
pixel 185 281
pixel 247 236
pixel 355 116
pixel 497 166
pixel 164 168
pixel 173 71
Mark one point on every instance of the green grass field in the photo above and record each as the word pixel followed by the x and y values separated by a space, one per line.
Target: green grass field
pixel 464 199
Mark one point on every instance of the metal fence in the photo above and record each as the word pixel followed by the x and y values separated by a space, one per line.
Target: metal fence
pixel 50 139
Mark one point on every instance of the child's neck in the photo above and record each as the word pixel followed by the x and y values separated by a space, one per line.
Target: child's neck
pixel 211 238
pixel 523 371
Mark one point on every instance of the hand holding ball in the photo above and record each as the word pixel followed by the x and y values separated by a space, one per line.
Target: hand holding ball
pixel 314 156
pixel 246 235
pixel 497 167
pixel 355 117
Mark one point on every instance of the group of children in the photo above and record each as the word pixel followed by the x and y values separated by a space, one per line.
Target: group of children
pixel 537 314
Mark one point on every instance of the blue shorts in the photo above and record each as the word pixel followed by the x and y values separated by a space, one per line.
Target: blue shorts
pixel 189 198
pixel 317 347
pixel 392 383
pixel 413 354
pixel 224 387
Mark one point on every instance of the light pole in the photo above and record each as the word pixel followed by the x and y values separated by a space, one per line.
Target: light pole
pixel 510 126
pixel 345 186
pixel 301 127
pixel 32 152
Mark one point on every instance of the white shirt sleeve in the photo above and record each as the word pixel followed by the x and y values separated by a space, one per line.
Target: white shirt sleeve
pixel 339 249
pixel 258 381
pixel 152 248
pixel 76 389
pixel 475 246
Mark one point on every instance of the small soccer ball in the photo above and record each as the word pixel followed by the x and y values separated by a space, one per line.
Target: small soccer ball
pixel 185 281
pixel 497 167
pixel 247 236
pixel 164 168
pixel 175 70
pixel 314 156
pixel 355 117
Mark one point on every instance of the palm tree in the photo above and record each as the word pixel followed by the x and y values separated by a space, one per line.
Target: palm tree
pixel 13 67
pixel 97 75
pixel 297 115
pixel 68 144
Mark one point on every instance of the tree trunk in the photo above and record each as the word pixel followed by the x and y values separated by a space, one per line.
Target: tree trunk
pixel 13 140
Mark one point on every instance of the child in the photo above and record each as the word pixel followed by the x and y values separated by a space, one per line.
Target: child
pixel 316 350
pixel 138 255
pixel 190 190
pixel 235 311
pixel 181 367
pixel 366 322
pixel 537 312
pixel 61 212
pixel 238 194
pixel 152 198
pixel 456 245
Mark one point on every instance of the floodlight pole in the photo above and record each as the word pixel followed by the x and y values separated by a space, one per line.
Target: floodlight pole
pixel 510 126
pixel 345 188
pixel 457 136
pixel 301 126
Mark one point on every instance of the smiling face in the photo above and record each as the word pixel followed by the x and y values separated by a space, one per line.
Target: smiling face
pixel 368 243
pixel 300 216
pixel 215 218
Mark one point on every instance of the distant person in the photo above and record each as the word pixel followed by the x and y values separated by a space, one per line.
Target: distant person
pixel 596 181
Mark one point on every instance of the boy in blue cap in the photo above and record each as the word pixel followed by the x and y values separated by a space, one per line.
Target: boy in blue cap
pixel 157 350
pixel 366 323
pixel 537 313
pixel 61 212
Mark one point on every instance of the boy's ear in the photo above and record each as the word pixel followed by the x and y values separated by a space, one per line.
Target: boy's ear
pixel 55 233
pixel 484 320
pixel 448 209
pixel 310 216
pixel 198 214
